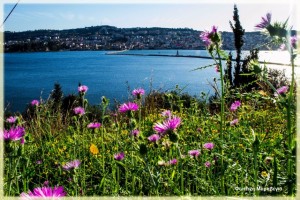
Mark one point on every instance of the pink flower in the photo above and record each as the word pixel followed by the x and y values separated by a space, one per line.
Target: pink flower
pixel 79 110
pixel 209 146
pixel 35 102
pixel 138 92
pixel 235 105
pixel 14 133
pixel 281 90
pixel 214 30
pixel 94 125
pixel 119 156
pixel 168 125
pixel 11 119
pixel 83 89
pixel 194 153
pixel 207 164
pixel 153 138
pixel 44 192
pixel 128 107
pixel 207 36
pixel 72 164
pixel 265 22
pixel 234 122
pixel 173 162
pixel 135 132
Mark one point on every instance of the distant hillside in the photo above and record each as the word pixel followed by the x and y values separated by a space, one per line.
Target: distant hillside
pixel 113 38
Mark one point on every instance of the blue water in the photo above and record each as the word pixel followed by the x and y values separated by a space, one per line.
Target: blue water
pixel 29 76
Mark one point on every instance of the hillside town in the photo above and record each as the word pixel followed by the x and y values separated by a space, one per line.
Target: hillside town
pixel 113 38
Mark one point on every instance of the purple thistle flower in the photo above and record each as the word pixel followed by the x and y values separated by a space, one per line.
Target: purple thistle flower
pixel 153 138
pixel 44 192
pixel 168 125
pixel 194 153
pixel 206 36
pixel 14 133
pixel 173 162
pixel 83 89
pixel 11 119
pixel 265 22
pixel 294 41
pixel 235 105
pixel 138 92
pixel 94 125
pixel 128 107
pixel 119 156
pixel 35 102
pixel 79 110
pixel 72 164
pixel 209 146
pixel 207 164
pixel 135 132
pixel 234 122
pixel 214 30
pixel 281 90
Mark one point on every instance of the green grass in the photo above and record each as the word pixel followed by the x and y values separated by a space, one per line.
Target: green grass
pixel 56 138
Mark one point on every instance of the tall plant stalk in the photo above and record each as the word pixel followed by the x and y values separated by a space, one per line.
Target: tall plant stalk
pixel 289 126
pixel 219 61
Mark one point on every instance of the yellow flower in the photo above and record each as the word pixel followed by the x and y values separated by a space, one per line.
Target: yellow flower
pixel 124 132
pixel 264 174
pixel 263 93
pixel 93 149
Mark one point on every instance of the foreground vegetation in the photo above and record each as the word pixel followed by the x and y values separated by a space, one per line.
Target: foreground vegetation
pixel 240 142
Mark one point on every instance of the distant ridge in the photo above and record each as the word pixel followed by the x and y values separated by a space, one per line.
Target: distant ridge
pixel 112 38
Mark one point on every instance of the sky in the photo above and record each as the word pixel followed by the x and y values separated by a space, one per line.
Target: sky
pixel 198 16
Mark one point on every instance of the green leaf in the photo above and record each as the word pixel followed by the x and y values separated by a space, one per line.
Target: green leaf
pixel 204 67
pixel 173 174
pixel 224 54
pixel 275 173
pixel 257 69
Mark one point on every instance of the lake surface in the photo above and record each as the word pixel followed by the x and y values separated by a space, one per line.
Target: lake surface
pixel 29 76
